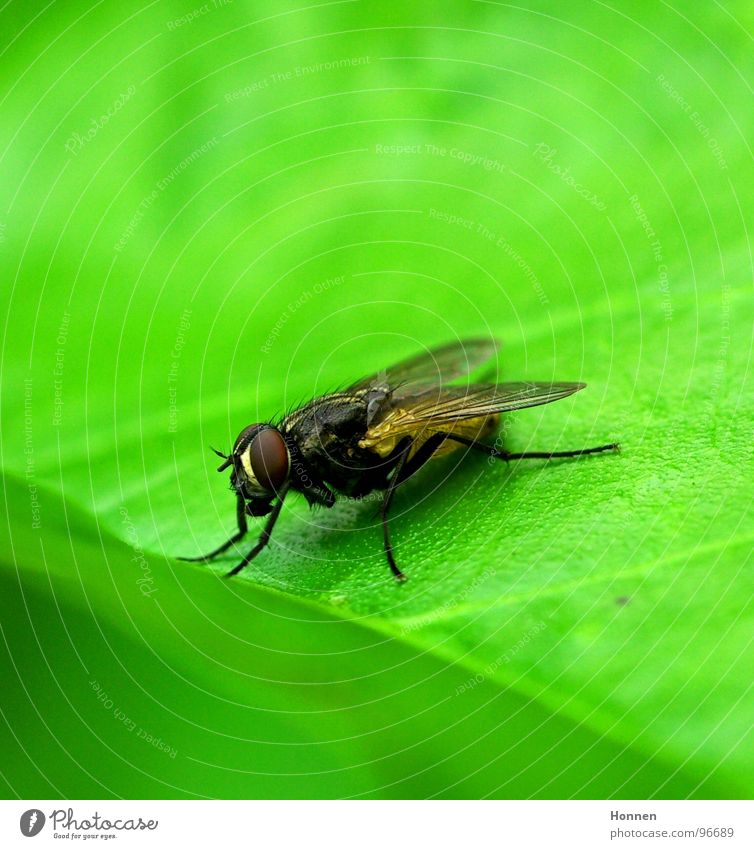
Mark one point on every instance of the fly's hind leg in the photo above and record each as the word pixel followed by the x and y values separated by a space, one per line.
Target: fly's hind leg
pixel 242 529
pixel 550 455
pixel 499 454
pixel 405 468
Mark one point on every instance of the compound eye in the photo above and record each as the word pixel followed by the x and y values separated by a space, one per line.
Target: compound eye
pixel 268 455
pixel 245 436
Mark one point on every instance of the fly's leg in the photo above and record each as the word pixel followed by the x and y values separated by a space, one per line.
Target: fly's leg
pixel 319 494
pixel 264 537
pixel 404 468
pixel 242 529
pixel 383 513
pixel 549 455
pixel 498 454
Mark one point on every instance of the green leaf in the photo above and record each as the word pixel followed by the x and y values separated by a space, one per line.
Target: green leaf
pixel 278 205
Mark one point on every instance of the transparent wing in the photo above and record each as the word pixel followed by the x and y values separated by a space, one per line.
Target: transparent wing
pixel 448 404
pixel 434 367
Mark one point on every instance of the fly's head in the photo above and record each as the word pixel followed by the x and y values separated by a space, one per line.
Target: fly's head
pixel 261 466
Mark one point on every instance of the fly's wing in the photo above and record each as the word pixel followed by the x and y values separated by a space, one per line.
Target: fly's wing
pixel 434 367
pixel 453 404
pixel 444 405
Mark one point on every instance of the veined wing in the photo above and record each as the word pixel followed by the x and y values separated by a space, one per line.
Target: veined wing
pixel 434 367
pixel 448 404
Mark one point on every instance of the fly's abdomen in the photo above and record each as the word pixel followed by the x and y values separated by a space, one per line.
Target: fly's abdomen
pixel 384 437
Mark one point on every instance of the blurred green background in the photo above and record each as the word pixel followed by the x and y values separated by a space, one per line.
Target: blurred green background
pixel 210 212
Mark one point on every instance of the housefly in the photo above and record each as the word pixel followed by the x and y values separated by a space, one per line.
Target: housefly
pixel 374 435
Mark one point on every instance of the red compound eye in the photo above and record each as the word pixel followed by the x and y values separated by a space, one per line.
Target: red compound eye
pixel 269 459
pixel 245 436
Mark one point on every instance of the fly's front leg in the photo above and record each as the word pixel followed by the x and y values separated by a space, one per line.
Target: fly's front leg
pixel 242 529
pixel 264 537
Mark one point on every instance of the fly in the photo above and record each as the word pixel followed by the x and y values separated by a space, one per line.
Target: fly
pixel 375 435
